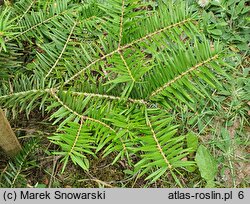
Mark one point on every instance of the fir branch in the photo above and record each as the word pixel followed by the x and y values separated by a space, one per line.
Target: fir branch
pixel 139 101
pixel 150 35
pixel 127 67
pixel 20 168
pixel 63 50
pixel 77 136
pixel 37 25
pixel 145 53
pixel 182 75
pixel 158 144
pixel 25 93
pixel 125 47
pixel 104 96
pixel 87 67
pixel 26 11
pixel 52 92
pixel 12 173
pixel 121 23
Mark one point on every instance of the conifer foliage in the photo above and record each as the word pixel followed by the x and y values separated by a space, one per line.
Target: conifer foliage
pixel 109 74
